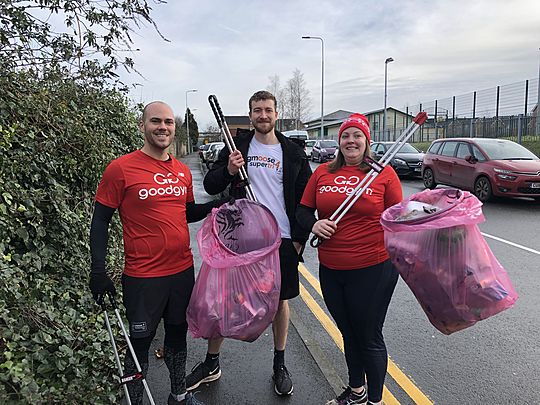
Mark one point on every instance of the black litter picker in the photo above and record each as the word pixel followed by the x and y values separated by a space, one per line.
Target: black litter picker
pixel 124 378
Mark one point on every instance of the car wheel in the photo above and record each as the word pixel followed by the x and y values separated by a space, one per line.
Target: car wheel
pixel 482 189
pixel 429 179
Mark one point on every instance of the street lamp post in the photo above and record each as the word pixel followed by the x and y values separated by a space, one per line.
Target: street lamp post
pixel 322 81
pixel 386 62
pixel 187 121
pixel 538 103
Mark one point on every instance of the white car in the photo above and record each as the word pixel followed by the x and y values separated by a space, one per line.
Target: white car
pixel 296 134
pixel 209 150
pixel 213 152
pixel 309 146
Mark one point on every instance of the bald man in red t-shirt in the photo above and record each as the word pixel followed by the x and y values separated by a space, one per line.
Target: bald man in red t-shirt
pixel 153 193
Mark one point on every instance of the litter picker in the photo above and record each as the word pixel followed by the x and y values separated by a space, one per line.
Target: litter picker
pixel 229 141
pixel 376 168
pixel 124 378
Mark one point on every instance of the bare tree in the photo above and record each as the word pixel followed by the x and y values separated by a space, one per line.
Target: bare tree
pixel 274 87
pixel 212 129
pixel 297 102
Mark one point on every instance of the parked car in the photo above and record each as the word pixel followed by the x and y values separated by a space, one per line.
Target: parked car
pixel 308 146
pixel 208 150
pixel 406 162
pixel 487 167
pixel 324 150
pixel 213 152
pixel 202 148
pixel 296 134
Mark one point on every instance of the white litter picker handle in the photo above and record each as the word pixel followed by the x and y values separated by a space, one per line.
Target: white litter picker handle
pixel 229 141
pixel 376 168
pixel 124 379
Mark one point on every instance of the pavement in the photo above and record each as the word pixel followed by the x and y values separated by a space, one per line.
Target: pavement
pixel 247 367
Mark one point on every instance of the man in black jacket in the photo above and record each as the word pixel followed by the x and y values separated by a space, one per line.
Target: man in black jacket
pixel 278 171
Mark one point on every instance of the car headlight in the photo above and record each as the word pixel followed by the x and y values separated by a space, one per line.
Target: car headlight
pixel 502 171
pixel 504 174
pixel 506 177
pixel 323 150
pixel 400 162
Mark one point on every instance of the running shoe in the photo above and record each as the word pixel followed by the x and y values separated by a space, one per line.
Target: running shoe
pixel 349 397
pixel 282 381
pixel 201 374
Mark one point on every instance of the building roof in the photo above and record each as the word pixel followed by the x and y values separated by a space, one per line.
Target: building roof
pixel 336 115
pixel 381 110
pixel 237 120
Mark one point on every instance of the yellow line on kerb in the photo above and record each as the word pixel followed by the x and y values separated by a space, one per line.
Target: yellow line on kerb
pixel 399 377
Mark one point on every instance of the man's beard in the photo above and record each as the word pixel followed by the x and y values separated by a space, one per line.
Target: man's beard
pixel 159 145
pixel 263 127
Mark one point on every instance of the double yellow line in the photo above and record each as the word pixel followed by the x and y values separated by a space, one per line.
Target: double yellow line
pixel 399 377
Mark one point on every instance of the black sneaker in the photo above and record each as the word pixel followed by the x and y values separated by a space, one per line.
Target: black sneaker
pixel 189 400
pixel 282 381
pixel 200 374
pixel 349 397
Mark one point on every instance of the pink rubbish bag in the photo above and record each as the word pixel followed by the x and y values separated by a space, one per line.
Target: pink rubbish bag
pixel 236 293
pixel 434 241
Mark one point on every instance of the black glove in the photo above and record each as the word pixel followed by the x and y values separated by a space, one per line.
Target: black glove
pixel 229 199
pixel 101 283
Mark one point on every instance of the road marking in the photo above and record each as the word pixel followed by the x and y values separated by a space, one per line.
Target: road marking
pixel 399 377
pixel 511 243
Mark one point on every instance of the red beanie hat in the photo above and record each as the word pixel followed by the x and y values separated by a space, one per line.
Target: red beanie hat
pixel 358 121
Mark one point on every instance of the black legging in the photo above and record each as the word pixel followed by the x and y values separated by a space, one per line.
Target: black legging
pixel 175 359
pixel 358 301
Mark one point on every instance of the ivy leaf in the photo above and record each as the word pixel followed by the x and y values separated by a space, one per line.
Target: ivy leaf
pixel 23 234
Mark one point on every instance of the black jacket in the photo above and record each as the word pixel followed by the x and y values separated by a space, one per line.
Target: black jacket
pixel 296 173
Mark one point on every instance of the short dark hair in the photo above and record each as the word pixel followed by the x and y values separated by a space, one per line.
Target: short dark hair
pixel 262 95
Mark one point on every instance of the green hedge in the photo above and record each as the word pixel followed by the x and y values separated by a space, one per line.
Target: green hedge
pixel 56 137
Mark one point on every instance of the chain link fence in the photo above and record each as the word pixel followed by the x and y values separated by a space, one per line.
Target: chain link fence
pixel 508 111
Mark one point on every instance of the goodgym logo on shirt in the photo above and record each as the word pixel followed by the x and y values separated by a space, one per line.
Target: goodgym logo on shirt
pixel 166 185
pixel 344 185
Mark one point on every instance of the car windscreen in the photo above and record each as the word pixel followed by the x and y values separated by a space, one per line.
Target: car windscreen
pixel 217 145
pixel 329 144
pixel 505 150
pixel 408 148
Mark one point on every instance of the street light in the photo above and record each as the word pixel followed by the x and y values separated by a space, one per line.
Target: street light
pixel 386 62
pixel 187 121
pixel 538 103
pixel 322 81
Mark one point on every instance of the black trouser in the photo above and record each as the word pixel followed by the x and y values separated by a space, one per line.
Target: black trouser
pixel 147 301
pixel 358 301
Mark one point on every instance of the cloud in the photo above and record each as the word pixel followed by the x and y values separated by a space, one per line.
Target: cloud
pixel 441 48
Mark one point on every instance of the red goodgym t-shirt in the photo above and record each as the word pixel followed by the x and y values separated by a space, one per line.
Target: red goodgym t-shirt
pixel 151 197
pixel 359 239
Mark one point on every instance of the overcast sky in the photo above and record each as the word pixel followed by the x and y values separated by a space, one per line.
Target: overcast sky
pixel 231 48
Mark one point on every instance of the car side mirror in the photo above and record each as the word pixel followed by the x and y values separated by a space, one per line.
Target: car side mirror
pixel 471 159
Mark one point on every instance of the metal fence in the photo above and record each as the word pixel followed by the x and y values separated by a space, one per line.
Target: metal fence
pixel 508 111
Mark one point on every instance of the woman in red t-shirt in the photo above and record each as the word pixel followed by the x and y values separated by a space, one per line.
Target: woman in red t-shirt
pixel 356 275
